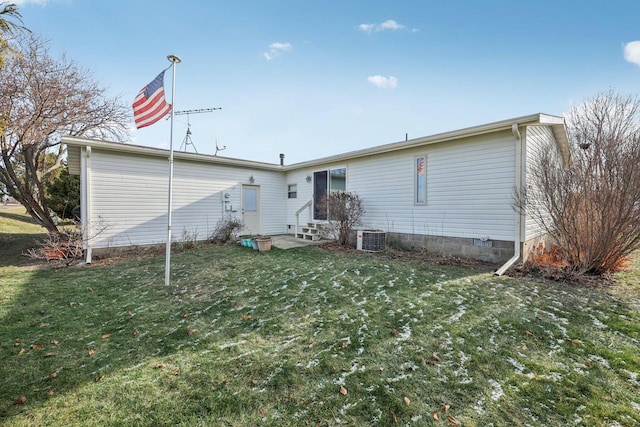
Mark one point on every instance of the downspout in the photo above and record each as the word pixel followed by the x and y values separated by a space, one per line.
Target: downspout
pixel 85 203
pixel 518 214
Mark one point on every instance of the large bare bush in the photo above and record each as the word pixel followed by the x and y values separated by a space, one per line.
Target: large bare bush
pixel 590 207
pixel 344 211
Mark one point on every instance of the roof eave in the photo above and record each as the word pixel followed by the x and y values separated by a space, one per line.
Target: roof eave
pixel 161 152
pixel 502 125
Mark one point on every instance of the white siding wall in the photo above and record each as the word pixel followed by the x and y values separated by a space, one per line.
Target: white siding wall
pixel 469 189
pixel 130 193
pixel 537 138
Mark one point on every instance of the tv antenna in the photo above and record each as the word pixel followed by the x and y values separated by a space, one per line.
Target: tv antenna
pixel 187 138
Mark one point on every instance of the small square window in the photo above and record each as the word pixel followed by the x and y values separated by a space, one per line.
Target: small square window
pixel 292 191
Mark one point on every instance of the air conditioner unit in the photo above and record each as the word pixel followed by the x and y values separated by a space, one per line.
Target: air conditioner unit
pixel 371 240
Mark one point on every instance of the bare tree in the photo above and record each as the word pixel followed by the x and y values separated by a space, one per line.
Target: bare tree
pixel 591 206
pixel 41 99
pixel 344 211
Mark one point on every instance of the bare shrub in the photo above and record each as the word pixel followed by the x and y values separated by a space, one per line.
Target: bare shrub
pixel 227 229
pixel 345 212
pixel 68 244
pixel 188 241
pixel 591 206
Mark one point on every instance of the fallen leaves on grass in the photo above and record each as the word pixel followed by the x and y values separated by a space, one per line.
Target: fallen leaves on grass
pixel 191 331
pixel 529 334
pixel 343 390
pixel 22 351
pixel 435 357
pixel 407 400
pixel 394 417
pixel 452 421
pixel 105 336
pixel 92 352
pixel 37 346
pixel 55 342
pixel 21 400
pixel 51 391
pixel 53 375
pixel 434 415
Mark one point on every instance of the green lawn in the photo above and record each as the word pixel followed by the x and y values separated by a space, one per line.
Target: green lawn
pixel 310 337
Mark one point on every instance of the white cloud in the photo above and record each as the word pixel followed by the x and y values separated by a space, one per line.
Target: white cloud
pixel 366 28
pixel 632 52
pixel 388 25
pixel 383 82
pixel 276 49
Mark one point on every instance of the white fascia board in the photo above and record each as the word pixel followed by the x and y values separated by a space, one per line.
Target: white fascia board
pixel 164 153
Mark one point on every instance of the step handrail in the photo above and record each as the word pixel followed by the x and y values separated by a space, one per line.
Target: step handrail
pixel 306 205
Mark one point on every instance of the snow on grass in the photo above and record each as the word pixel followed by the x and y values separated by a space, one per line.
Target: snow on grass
pixel 496 390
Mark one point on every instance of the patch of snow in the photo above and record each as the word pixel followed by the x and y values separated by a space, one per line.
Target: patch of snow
pixel 633 377
pixel 405 333
pixel 601 360
pixel 231 344
pixel 496 390
pixel 596 322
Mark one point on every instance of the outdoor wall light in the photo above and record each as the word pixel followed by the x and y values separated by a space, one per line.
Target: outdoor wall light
pixel 252 179
pixel 308 178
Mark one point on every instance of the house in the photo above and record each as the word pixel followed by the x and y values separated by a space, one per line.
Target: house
pixel 450 193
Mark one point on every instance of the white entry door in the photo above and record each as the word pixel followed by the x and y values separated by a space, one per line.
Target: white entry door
pixel 251 209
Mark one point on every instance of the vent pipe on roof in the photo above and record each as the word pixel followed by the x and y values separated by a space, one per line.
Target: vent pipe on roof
pixel 281 159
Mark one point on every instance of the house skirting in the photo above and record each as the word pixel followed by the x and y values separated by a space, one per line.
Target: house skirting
pixel 494 251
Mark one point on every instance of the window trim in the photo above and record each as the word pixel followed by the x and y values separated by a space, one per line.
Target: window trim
pixel 417 191
pixel 327 171
pixel 295 192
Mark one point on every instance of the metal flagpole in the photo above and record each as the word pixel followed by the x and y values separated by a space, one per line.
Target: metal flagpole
pixel 167 267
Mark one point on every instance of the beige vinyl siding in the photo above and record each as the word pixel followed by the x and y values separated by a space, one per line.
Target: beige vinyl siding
pixel 129 197
pixel 469 188
pixel 537 138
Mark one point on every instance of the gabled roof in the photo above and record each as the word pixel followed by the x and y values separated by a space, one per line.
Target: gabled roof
pixel 556 123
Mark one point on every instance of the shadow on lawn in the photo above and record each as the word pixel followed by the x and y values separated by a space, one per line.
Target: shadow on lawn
pixel 14 245
pixel 16 217
pixel 65 328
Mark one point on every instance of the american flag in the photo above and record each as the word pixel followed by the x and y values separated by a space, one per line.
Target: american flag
pixel 150 105
pixel 420 166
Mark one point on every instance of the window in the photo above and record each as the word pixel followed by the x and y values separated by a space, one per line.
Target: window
pixel 292 191
pixel 420 174
pixel 324 182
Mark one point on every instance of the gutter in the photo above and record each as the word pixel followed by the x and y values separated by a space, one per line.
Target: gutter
pixel 518 223
pixel 85 208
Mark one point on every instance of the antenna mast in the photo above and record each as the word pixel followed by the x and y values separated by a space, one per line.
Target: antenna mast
pixel 187 138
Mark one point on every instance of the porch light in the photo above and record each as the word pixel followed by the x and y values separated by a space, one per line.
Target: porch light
pixel 308 178
pixel 252 179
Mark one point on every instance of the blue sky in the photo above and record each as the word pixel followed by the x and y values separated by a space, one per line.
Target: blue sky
pixel 313 78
